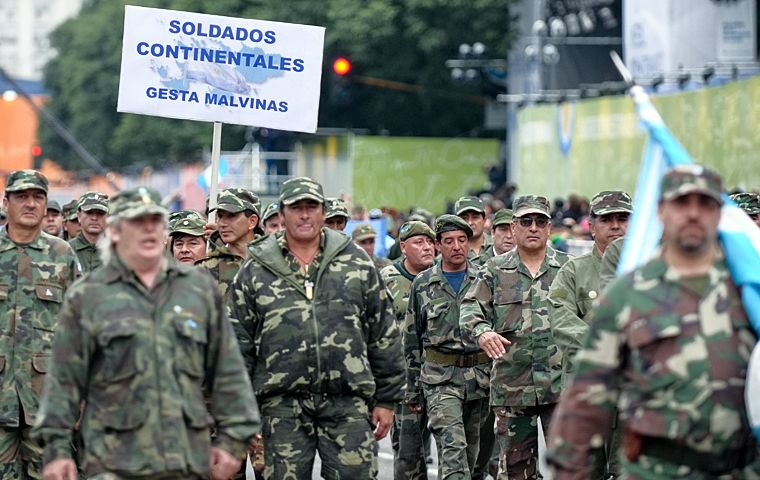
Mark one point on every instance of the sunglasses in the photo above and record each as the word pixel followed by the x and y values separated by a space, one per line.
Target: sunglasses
pixel 526 222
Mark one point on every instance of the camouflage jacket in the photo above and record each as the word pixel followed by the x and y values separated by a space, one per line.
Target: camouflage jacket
pixel 380 262
pixel 139 361
pixel 399 283
pixel 342 340
pixel 221 263
pixel 432 322
pixel 33 279
pixel 572 294
pixel 609 263
pixel 477 258
pixel 671 354
pixel 87 253
pixel 508 300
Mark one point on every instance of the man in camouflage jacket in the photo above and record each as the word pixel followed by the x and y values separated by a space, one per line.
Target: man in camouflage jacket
pixel 319 339
pixel 140 341
pixel 440 368
pixel 92 209
pixel 668 346
pixel 506 313
pixel 35 271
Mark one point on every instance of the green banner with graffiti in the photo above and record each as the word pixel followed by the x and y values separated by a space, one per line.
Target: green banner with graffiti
pixel 597 144
pixel 419 172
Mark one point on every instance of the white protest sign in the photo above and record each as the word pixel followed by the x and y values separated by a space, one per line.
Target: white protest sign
pixel 221 69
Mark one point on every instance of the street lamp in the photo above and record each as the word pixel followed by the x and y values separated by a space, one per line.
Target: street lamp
pixel 10 95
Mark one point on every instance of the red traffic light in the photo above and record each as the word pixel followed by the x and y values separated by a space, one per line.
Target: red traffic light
pixel 36 151
pixel 341 66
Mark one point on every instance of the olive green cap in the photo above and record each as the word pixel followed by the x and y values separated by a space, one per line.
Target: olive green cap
pixel 611 201
pixel 469 203
pixel 300 188
pixel 26 180
pixel 336 207
pixel 748 201
pixel 685 179
pixel 362 232
pixel 272 210
pixel 449 223
pixel 235 200
pixel 93 201
pixel 502 217
pixel 414 228
pixel 188 222
pixel 530 204
pixel 53 205
pixel 136 202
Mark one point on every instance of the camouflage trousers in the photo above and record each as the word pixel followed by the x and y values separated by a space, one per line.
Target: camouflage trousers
pixel 338 427
pixel 410 439
pixel 488 456
pixel 20 456
pixel 455 424
pixel 167 476
pixel 517 434
pixel 651 468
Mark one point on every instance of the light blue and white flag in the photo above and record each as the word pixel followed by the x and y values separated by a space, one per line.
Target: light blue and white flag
pixel 739 236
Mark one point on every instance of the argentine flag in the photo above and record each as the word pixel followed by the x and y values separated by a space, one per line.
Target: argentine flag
pixel 739 236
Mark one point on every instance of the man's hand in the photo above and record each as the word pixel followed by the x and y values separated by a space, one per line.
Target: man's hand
pixel 209 228
pixel 414 407
pixel 493 344
pixel 63 469
pixel 223 465
pixel 382 418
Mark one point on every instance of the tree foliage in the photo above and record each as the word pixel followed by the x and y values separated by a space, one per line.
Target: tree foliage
pixel 403 41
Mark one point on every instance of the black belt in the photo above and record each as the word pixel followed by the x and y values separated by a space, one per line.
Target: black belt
pixel 714 463
pixel 457 359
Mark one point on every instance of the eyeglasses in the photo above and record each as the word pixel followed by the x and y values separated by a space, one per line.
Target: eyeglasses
pixel 526 222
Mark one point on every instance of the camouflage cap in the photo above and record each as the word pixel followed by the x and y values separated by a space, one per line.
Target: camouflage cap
pixel 685 179
pixel 611 201
pixel 414 228
pixel 271 210
pixel 362 232
pixel 502 217
pixel 70 210
pixel 449 223
pixel 136 202
pixel 26 180
pixel 235 200
pixel 748 201
pixel 53 205
pixel 188 222
pixel 93 201
pixel 336 207
pixel 469 203
pixel 301 188
pixel 530 204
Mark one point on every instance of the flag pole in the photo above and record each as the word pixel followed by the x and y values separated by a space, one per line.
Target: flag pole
pixel 216 148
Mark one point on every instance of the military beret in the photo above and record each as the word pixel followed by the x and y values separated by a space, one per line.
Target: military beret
pixel 235 200
pixel 469 203
pixel 136 202
pixel 530 204
pixel 93 201
pixel 502 217
pixel 414 228
pixel 685 179
pixel 26 180
pixel 362 232
pixel 301 188
pixel 748 201
pixel 449 223
pixel 611 201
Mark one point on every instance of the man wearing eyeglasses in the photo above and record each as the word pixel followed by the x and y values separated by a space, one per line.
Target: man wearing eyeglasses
pixel 750 203
pixel 506 313
pixel 576 288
